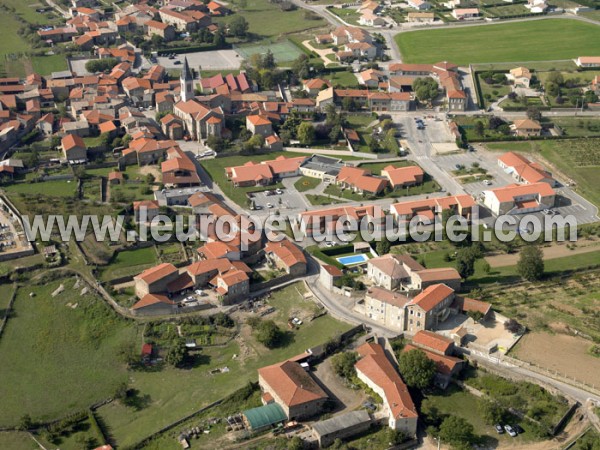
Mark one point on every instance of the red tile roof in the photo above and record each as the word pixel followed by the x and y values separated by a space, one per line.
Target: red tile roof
pixel 432 296
pixel 152 299
pixel 156 273
pixel 291 383
pixel 432 341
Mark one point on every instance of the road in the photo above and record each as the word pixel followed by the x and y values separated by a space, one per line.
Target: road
pixel 61 11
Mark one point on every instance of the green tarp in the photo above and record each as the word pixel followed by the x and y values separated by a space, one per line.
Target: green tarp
pixel 265 416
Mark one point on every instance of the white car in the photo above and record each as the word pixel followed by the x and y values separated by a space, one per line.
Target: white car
pixel 278 191
pixel 296 321
pixel 329 244
pixel 270 205
pixel 199 292
pixel 510 431
pixel 487 182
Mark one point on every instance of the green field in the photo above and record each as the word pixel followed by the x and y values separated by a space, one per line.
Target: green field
pixel 267 20
pixel 58 188
pixel 348 15
pixel 173 393
pixel 519 41
pixel 283 52
pixel 17 440
pixel 342 79
pixel 130 262
pixel 58 358
pixel 306 183
pixel 578 159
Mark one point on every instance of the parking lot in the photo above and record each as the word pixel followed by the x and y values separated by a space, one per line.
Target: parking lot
pixel 212 60
pixel 286 200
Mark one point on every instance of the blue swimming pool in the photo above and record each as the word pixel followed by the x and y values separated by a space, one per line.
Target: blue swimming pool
pixel 352 259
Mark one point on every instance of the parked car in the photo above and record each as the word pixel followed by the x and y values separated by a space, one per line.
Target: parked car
pixel 499 428
pixel 548 212
pixel 278 191
pixel 487 182
pixel 518 429
pixel 510 431
pixel 329 244
pixel 269 205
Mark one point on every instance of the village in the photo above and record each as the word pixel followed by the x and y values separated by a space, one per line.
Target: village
pixel 292 337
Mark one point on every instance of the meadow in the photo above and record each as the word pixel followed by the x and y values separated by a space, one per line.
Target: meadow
pixel 507 42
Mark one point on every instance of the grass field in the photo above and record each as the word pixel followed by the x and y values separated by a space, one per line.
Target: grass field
pixel 56 358
pixel 519 41
pixel 130 262
pixel 578 159
pixel 267 20
pixel 285 51
pixel 17 440
pixel 58 188
pixel 173 393
pixel 349 15
pixel 342 79
pixel 306 183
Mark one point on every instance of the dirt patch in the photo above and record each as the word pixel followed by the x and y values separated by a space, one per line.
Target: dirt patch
pixel 554 251
pixel 145 170
pixel 568 355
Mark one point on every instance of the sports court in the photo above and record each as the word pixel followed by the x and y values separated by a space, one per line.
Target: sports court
pixel 284 51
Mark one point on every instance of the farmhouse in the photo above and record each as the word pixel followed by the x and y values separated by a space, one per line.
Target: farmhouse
pixel 429 308
pixel 286 256
pixel 289 385
pixel 588 61
pixel 523 170
pixel 465 13
pixel 387 307
pixel 526 127
pixel 519 199
pixel 155 279
pixel 519 77
pixel 377 372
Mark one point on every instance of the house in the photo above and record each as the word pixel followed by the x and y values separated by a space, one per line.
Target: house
pixel 536 6
pixel 420 17
pixel 74 148
pixel 154 304
pixel 379 374
pixel 526 127
pixel 342 426
pixel 232 285
pixel 428 208
pixel 164 101
pixel 199 121
pixel 63 34
pixel 386 307
pixel 440 350
pixel 265 172
pixel 360 180
pixel 315 85
pixel 179 170
pixel 465 13
pixel 286 256
pixel 136 87
pixel 225 85
pixel 429 308
pixel 164 30
pixel 46 124
pixel 519 77
pixel 370 78
pixel 370 19
pixel 329 275
pixel 293 388
pixel 519 199
pixel 115 178
pixel 217 9
pixel 145 209
pixel 401 177
pixel 523 170
pixel 217 250
pixel 189 21
pixel 588 61
pixel 595 85
pixel 323 220
pixel 155 279
pixel 420 5
pixel 258 124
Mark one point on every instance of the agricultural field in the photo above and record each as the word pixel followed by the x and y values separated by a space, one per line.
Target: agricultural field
pixel 574 159
pixel 129 262
pixel 518 41
pixel 17 440
pixel 267 20
pixel 172 393
pixel 56 188
pixel 578 126
pixel 46 339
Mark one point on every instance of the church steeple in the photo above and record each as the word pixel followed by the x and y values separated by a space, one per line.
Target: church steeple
pixel 186 81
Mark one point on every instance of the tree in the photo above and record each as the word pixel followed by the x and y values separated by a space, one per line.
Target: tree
pixel 383 246
pixel 348 104
pixel 456 431
pixel 531 263
pixel 306 133
pixel 217 143
pixel 556 78
pixel 268 61
pixel 490 411
pixel 100 65
pixel 268 333
pixel 301 67
pixel 219 38
pixel 513 326
pixel 25 422
pixel 479 128
pixel 426 89
pixel 417 369
pixel 533 113
pixel 177 353
pixel 238 26
pixel 343 364
pixel 465 262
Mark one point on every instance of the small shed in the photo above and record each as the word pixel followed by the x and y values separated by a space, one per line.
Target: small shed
pixel 341 427
pixel 264 417
pixel 147 350
pixel 362 247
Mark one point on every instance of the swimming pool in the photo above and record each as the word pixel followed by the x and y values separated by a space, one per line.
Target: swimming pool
pixel 352 259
